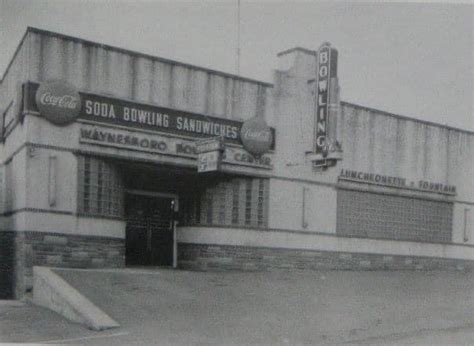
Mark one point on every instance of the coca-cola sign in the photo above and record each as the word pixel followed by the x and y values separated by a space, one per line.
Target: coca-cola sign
pixel 256 136
pixel 58 101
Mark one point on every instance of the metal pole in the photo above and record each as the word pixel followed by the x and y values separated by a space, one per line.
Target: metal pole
pixel 238 38
pixel 303 214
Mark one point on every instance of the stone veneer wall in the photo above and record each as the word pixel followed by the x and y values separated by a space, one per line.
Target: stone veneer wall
pixel 59 250
pixel 225 257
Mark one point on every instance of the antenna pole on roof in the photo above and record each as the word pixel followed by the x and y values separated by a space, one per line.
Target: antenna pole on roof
pixel 238 38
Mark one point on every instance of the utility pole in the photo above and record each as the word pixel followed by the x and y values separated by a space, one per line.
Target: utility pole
pixel 238 39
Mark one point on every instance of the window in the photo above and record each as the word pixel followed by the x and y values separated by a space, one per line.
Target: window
pixel 261 203
pixel 230 202
pixel 235 201
pixel 248 202
pixel 100 188
pixel 365 214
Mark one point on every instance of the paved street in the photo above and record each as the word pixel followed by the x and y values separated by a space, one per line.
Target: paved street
pixel 182 307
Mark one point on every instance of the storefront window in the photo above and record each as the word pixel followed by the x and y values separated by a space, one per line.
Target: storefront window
pixel 235 201
pixel 231 202
pixel 248 202
pixel 100 188
pixel 372 215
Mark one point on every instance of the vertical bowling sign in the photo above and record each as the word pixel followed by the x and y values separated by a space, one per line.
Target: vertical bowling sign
pixel 326 69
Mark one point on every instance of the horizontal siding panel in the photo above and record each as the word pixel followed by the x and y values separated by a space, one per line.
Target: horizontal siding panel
pixel 142 78
pixel 379 143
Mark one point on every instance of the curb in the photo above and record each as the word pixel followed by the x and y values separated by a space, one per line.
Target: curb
pixel 54 293
pixel 12 303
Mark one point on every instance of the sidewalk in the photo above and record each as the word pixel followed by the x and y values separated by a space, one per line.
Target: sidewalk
pixel 182 307
pixel 24 322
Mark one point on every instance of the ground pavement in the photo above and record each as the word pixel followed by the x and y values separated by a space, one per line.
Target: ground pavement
pixel 183 307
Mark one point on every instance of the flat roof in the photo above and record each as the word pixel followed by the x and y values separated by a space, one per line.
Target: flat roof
pixel 297 49
pixel 403 117
pixel 129 52
pixel 223 74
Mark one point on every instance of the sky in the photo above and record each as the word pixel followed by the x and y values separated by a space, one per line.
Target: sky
pixel 414 59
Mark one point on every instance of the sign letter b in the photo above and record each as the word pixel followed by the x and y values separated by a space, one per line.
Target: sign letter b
pixel 323 57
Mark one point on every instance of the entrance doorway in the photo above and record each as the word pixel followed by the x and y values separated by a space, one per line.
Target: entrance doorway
pixel 150 229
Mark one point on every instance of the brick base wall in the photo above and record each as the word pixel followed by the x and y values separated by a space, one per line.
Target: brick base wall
pixel 59 250
pixel 223 257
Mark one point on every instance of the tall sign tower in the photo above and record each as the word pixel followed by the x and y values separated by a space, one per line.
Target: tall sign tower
pixel 326 148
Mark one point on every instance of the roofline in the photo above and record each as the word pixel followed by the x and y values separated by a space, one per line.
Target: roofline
pixel 149 56
pixel 295 49
pixel 403 117
pixel 224 74
pixel 10 63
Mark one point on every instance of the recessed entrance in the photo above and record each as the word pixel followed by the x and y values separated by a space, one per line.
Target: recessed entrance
pixel 150 229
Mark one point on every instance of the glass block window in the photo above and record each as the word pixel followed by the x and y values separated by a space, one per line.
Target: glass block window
pixel 248 202
pixel 100 188
pixel 208 206
pixel 365 214
pixel 222 205
pixel 261 203
pixel 228 202
pixel 235 201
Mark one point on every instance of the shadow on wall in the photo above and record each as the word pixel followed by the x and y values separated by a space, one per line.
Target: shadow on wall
pixel 7 264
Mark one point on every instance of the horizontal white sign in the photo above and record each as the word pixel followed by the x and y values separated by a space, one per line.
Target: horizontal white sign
pixel 165 145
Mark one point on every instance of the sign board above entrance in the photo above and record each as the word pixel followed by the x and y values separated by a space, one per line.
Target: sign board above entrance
pixel 209 154
pixel 209 161
pixel 155 144
pixel 209 144
pixel 114 111
pixel 392 181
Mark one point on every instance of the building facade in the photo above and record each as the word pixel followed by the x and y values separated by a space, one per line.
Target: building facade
pixel 101 166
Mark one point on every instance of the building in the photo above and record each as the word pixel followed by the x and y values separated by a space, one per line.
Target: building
pixel 101 149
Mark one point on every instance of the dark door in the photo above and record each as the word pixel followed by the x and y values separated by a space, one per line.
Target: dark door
pixel 149 232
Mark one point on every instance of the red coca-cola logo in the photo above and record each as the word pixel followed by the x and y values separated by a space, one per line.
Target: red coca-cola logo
pixel 58 101
pixel 256 136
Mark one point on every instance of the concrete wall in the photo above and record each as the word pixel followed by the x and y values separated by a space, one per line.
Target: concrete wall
pixel 15 189
pixel 373 141
pixel 13 161
pixel 42 188
pixel 54 293
pixel 105 70
pixel 293 107
pixel 28 183
pixel 463 223
pixel 108 70
pixel 284 239
pixel 297 205
pixel 377 142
